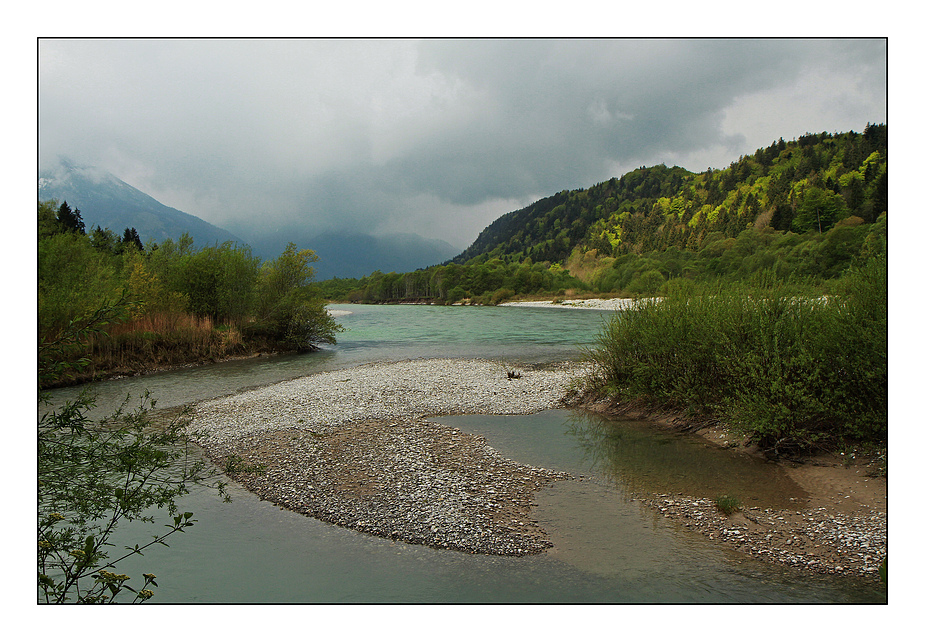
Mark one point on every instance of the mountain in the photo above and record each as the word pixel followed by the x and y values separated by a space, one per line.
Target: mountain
pixel 353 255
pixel 108 202
pixel 804 185
pixel 548 229
pixel 809 208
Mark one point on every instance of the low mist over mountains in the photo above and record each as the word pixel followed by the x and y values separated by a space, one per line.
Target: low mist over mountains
pixel 353 255
pixel 108 202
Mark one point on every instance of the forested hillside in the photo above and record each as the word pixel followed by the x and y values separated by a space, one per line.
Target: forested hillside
pixel 548 229
pixel 799 186
pixel 801 208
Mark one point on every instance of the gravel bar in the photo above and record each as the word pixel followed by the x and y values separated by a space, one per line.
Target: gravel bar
pixel 353 447
pixel 817 540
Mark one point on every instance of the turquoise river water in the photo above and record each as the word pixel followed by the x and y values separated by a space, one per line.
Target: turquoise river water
pixel 607 548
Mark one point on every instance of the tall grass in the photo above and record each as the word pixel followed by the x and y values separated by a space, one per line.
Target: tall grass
pixel 791 371
pixel 150 341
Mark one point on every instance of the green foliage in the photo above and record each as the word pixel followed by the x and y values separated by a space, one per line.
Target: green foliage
pixel 819 209
pixel 70 220
pixel 727 504
pixel 48 219
pixel 219 281
pixel 799 186
pixel 501 295
pixel 791 369
pixel 55 349
pixel 786 255
pixel 74 280
pixel 798 209
pixel 549 229
pixel 178 293
pixel 648 282
pixel 105 241
pixel 94 475
pixel 130 239
pixel 288 307
pixel 488 282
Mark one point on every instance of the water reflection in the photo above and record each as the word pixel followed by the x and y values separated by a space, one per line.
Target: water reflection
pixel 600 532
pixel 641 458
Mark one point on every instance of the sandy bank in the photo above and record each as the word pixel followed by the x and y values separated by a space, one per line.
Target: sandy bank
pixel 840 530
pixel 575 304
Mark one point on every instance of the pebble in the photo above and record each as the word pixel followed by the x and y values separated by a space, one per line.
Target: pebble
pixel 354 448
pixel 849 544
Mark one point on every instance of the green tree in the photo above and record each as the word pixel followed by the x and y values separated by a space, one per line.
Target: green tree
pixel 289 309
pixel 104 240
pixel 73 279
pixel 48 219
pixel 145 286
pixel 166 260
pixel 130 239
pixel 70 220
pixel 819 210
pixel 219 280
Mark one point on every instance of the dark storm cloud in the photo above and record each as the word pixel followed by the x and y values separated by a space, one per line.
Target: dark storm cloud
pixel 434 136
pixel 559 113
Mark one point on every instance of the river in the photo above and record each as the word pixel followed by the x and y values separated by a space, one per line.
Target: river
pixel 607 547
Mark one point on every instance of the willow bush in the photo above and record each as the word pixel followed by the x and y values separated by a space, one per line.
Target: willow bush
pixel 791 370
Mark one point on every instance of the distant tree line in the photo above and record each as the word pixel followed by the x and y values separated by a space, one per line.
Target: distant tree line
pixel 488 283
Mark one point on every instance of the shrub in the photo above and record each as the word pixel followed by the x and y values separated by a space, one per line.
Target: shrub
pixel 791 371
pixel 501 295
pixel 727 504
pixel 95 475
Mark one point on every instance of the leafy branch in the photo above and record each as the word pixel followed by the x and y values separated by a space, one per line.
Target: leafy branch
pixel 95 475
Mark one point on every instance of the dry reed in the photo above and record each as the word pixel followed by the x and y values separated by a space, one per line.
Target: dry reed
pixel 152 341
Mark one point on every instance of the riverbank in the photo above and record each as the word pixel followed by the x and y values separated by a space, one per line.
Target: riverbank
pixel 840 530
pixel 355 447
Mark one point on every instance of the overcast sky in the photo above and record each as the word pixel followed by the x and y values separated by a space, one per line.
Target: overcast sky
pixel 436 137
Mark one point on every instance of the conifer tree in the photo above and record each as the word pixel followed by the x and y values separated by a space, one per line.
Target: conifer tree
pixel 130 237
pixel 70 221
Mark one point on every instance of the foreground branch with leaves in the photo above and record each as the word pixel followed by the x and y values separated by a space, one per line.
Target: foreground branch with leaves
pixel 94 475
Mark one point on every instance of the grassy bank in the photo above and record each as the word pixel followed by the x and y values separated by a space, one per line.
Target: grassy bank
pixel 151 342
pixel 789 370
